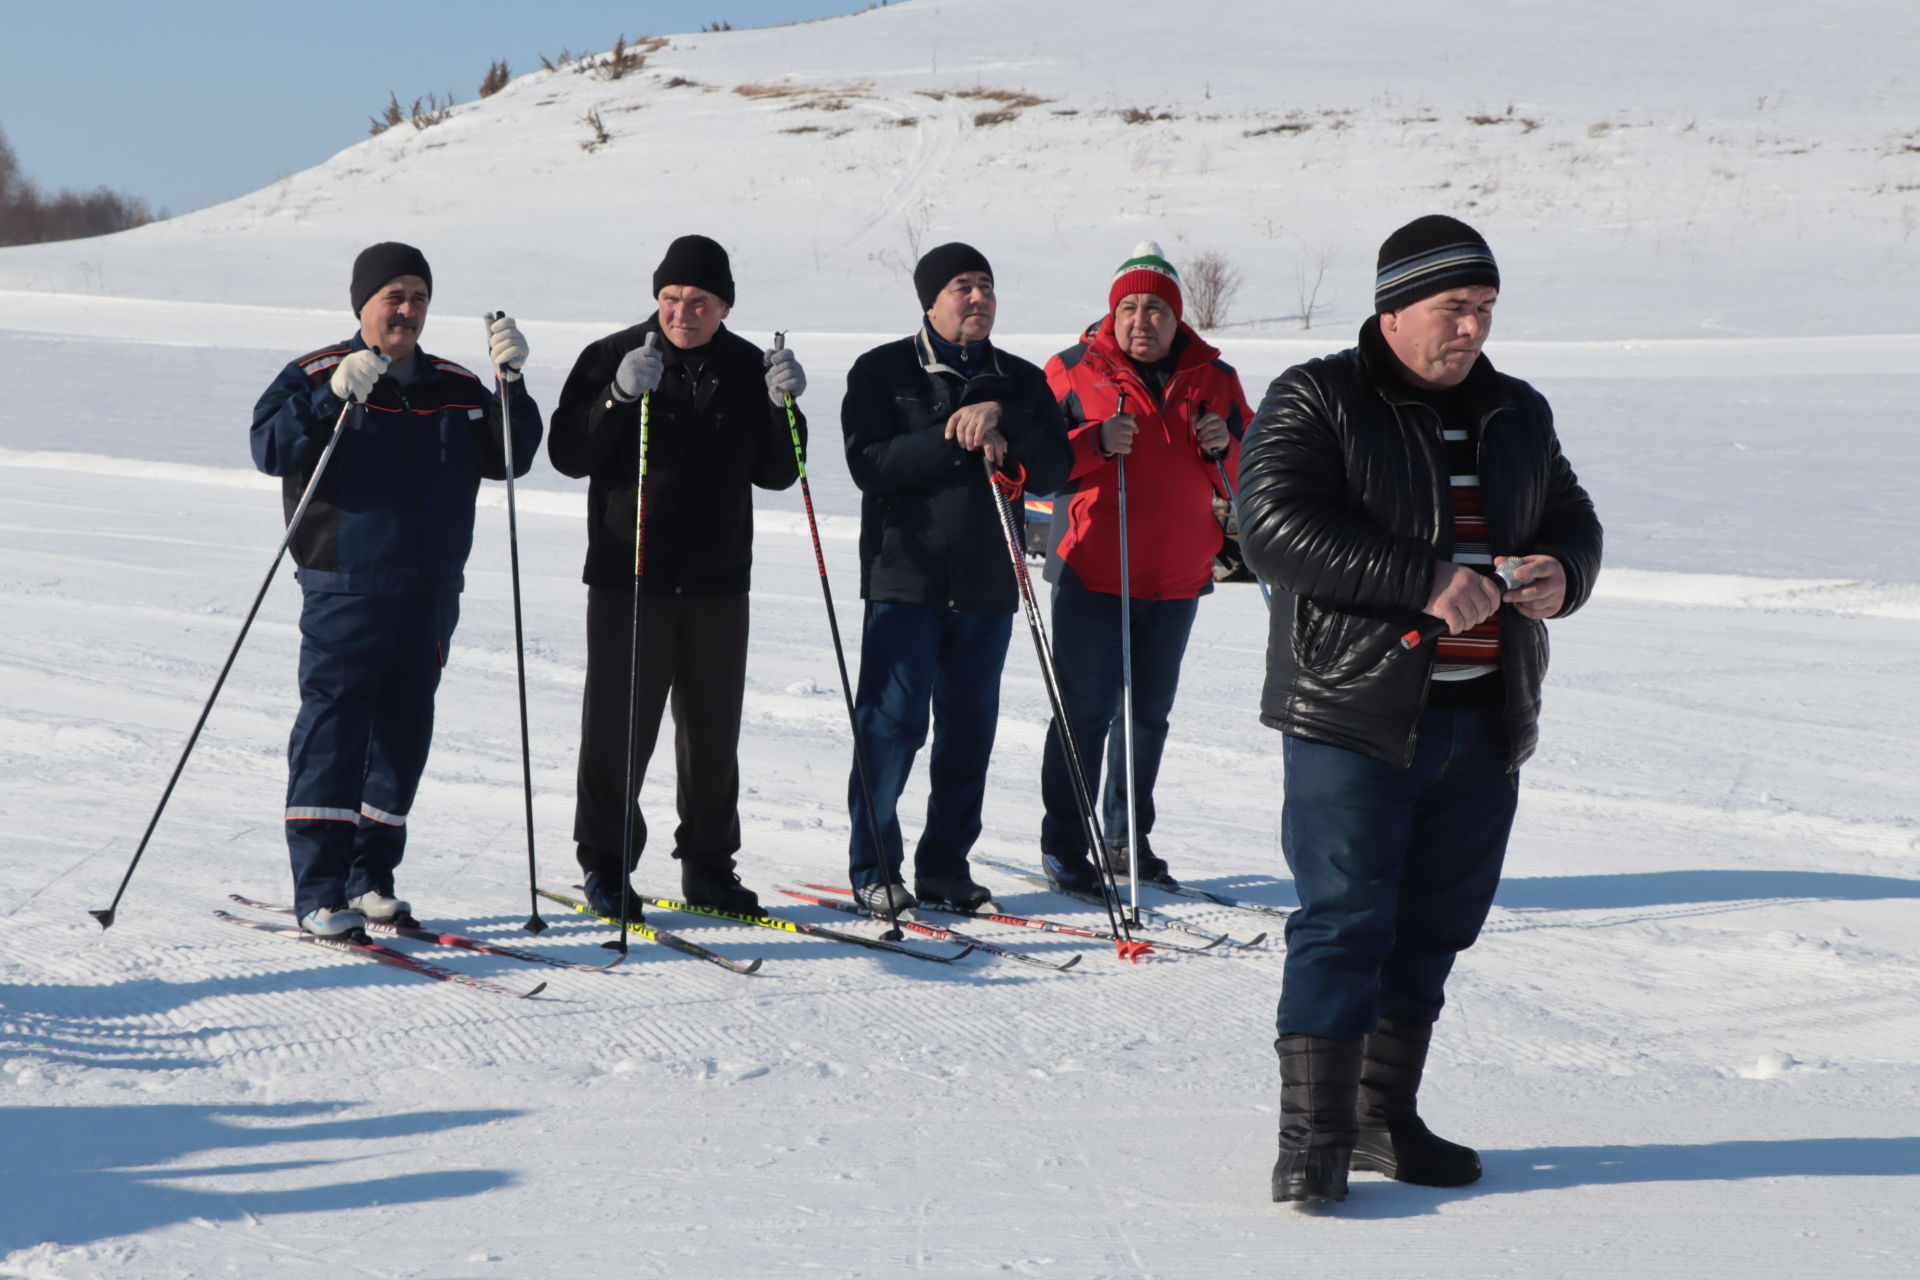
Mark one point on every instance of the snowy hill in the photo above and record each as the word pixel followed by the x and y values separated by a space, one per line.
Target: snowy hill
pixel 1688 1044
pixel 1642 169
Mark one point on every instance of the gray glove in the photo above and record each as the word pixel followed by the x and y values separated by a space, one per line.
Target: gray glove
pixel 785 377
pixel 506 348
pixel 354 376
pixel 639 371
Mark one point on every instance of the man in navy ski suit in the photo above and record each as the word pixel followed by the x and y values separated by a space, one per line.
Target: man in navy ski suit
pixel 381 552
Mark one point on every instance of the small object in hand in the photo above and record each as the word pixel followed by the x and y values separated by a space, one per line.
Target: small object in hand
pixel 1508 571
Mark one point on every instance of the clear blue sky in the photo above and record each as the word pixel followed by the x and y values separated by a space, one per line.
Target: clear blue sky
pixel 193 102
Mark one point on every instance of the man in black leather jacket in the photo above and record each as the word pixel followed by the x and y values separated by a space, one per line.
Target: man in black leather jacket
pixel 1378 488
pixel 934 567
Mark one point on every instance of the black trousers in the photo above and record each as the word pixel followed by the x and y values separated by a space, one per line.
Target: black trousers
pixel 693 649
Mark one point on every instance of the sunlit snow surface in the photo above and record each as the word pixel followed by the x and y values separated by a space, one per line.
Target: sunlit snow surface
pixel 1687 1044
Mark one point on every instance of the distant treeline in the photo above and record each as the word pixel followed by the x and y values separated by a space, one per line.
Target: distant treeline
pixel 27 217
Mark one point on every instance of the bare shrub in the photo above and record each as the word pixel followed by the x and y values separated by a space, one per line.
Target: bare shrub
pixel 722 25
pixel 1309 273
pixel 391 116
pixel 600 136
pixel 496 78
pixel 430 111
pixel 904 122
pixel 625 58
pixel 1210 283
pixel 1291 127
pixel 805 128
pixel 1012 98
pixel 1143 115
pixel 986 119
pixel 681 82
pixel 755 89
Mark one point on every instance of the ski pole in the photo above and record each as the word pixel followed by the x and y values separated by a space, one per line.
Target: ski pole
pixel 534 925
pixel 105 915
pixel 1507 571
pixel 893 933
pixel 1128 948
pixel 633 670
pixel 1126 682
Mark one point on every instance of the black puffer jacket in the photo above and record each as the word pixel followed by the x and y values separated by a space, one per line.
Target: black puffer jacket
pixel 708 444
pixel 929 531
pixel 1345 505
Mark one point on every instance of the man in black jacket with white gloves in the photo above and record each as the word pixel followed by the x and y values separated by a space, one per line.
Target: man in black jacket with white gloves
pixel 716 418
pixel 934 568
pixel 1378 488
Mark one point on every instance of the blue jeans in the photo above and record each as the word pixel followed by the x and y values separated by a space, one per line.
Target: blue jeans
pixel 1395 870
pixel 918 659
pixel 1086 649
pixel 369 667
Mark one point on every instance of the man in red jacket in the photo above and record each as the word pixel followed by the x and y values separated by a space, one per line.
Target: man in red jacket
pixel 1143 389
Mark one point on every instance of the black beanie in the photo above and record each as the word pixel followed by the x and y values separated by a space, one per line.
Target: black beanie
pixel 379 263
pixel 696 262
pixel 1431 255
pixel 941 264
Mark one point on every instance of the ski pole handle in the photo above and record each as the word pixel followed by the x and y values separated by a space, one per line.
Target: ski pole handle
pixel 1505 571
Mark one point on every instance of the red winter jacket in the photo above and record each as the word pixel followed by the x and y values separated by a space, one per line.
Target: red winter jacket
pixel 1172 535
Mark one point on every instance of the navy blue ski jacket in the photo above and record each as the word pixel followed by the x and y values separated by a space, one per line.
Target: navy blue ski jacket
pixel 394 512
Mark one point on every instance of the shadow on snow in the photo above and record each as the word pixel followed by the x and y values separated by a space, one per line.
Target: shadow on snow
pixel 80 1174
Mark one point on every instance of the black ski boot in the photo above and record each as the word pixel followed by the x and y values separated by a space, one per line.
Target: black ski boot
pixel 714 884
pixel 1153 869
pixel 957 891
pixel 1319 1083
pixel 1071 872
pixel 603 896
pixel 1393 1138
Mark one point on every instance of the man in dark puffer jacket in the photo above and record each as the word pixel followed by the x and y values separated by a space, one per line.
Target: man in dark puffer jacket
pixel 717 428
pixel 1379 486
pixel 918 416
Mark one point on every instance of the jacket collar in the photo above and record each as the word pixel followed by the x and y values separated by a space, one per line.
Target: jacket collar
pixel 930 357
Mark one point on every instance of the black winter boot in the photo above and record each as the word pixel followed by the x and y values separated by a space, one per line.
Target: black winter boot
pixel 1319 1084
pixel 714 884
pixel 1393 1138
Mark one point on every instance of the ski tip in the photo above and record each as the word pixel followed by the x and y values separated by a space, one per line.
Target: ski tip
pixel 536 991
pixel 104 915
pixel 753 965
pixel 1070 963
pixel 1257 940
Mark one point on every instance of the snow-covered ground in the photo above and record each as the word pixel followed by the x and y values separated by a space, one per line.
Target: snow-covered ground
pixel 1689 1043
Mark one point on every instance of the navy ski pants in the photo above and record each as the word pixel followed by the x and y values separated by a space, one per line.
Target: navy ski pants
pixel 1086 649
pixel 369 667
pixel 1395 870
pixel 918 660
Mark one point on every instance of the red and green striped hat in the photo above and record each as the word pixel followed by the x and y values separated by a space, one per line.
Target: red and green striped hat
pixel 1147 270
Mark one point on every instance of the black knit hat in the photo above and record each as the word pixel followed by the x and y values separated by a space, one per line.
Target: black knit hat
pixel 941 264
pixel 379 263
pixel 696 262
pixel 1431 255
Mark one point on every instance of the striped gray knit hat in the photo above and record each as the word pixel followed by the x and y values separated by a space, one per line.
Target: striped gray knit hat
pixel 1431 255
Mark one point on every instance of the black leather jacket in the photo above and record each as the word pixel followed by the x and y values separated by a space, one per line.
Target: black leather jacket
pixel 1345 506
pixel 929 530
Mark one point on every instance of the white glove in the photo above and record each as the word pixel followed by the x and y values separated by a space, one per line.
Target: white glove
pixel 354 376
pixel 506 348
pixel 639 371
pixel 785 377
